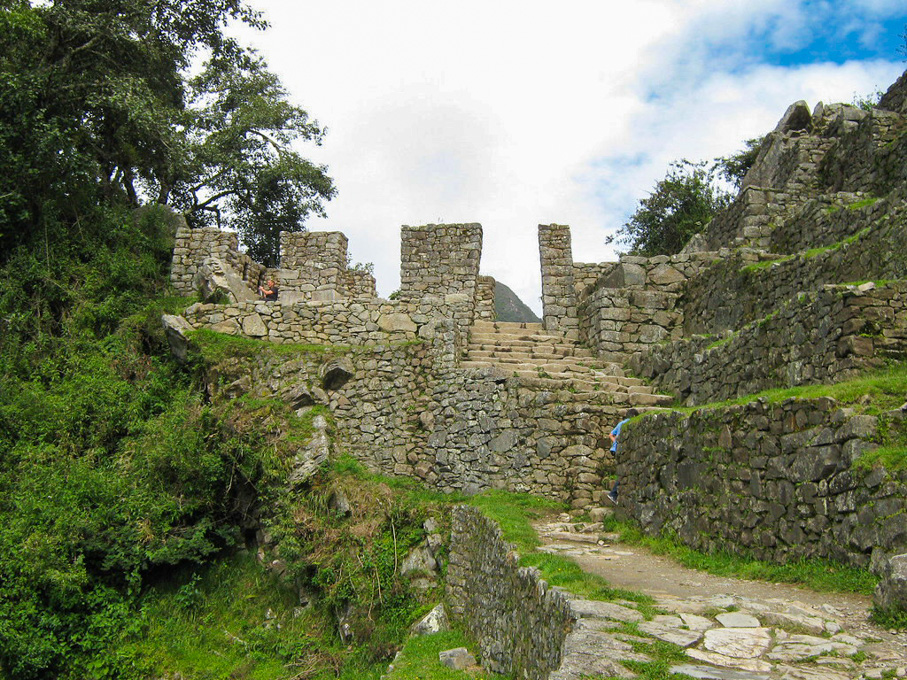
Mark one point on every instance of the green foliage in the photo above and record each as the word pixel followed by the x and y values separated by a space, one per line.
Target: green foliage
pixel 111 465
pixel 681 205
pixel 867 102
pixel 99 109
pixel 419 659
pixel 514 512
pixel 893 619
pixel 821 575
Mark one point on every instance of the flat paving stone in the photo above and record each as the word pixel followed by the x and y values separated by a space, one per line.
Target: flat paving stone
pixel 752 665
pixel 605 610
pixel 674 635
pixel 711 673
pixel 740 643
pixel 738 620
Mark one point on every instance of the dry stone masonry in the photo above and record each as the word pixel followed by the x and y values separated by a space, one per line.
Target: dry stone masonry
pixel 801 280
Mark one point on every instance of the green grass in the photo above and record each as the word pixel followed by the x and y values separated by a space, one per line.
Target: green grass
pixel 514 512
pixel 216 347
pixel 882 390
pixel 418 659
pixel 820 575
pixel 236 620
pixel 857 205
pixel 893 619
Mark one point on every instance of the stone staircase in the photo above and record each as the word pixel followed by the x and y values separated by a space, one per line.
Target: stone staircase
pixel 526 350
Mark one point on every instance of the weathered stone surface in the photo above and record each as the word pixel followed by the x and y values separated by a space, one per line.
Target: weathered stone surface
pixel 176 327
pixel 336 372
pixel 739 643
pixel 745 664
pixel 396 322
pixel 214 277
pixel 458 659
pixel 313 454
pixel 605 610
pixel 419 559
pixel 738 620
pixel 435 621
pixel 252 325
pixel 891 593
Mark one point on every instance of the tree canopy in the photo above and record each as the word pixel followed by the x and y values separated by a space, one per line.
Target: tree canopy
pixel 680 206
pixel 99 107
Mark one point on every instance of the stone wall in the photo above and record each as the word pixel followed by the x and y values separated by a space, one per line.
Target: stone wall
pixel 822 337
pixel 375 410
pixel 558 286
pixel 485 299
pixel 519 623
pixel 634 305
pixel 734 292
pixel 774 480
pixel 364 322
pixel 488 430
pixel 441 262
pixel 587 274
pixel 194 246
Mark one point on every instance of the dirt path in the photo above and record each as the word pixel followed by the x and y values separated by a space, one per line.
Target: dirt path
pixel 678 589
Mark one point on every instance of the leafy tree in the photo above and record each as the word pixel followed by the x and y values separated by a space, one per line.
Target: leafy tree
pixel 98 106
pixel 680 206
pixel 240 161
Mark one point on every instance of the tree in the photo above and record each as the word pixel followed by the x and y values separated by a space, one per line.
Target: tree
pixel 681 205
pixel 98 108
pixel 240 164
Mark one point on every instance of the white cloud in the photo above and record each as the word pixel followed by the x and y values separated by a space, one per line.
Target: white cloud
pixel 514 114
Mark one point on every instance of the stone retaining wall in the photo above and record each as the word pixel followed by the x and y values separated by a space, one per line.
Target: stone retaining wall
pixel 771 479
pixel 822 337
pixel 360 322
pixel 634 305
pixel 519 623
pixel 488 430
pixel 732 293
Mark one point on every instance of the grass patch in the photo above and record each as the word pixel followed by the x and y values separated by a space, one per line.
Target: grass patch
pixel 820 575
pixel 877 392
pixel 857 205
pixel 235 620
pixel 418 659
pixel 216 347
pixel 893 619
pixel 765 264
pixel 514 512
pixel 565 573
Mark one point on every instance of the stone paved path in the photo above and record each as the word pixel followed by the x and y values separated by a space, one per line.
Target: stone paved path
pixel 732 629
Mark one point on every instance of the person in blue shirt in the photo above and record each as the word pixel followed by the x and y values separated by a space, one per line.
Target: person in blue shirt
pixel 615 433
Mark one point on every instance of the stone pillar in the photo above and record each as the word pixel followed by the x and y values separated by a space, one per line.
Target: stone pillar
pixel 558 293
pixel 485 299
pixel 313 263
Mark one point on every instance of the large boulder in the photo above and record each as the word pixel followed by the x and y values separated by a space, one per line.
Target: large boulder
pixel 175 328
pixel 891 593
pixel 215 280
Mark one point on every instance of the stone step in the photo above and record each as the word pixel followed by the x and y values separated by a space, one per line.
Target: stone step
pixel 532 347
pixel 506 326
pixel 510 338
pixel 535 357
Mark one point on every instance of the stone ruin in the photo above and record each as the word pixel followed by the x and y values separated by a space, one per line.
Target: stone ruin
pixel 802 280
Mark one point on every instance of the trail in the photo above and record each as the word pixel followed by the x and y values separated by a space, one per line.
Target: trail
pixel 813 635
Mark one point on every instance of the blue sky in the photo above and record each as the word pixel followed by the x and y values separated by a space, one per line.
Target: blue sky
pixel 518 113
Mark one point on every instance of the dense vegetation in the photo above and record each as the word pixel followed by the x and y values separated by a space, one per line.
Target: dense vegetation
pixel 683 203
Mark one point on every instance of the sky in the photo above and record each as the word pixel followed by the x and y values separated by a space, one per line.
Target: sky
pixel 515 114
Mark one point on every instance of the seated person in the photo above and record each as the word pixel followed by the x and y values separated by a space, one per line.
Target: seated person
pixel 268 292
